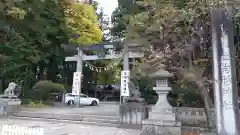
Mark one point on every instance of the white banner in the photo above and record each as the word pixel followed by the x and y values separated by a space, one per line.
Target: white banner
pixel 76 83
pixel 124 83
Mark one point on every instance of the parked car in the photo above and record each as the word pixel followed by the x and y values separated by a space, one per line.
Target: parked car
pixel 84 99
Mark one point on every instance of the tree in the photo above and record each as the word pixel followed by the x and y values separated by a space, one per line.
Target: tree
pixel 104 25
pixel 122 14
pixel 177 39
pixel 31 33
pixel 82 20
pixel 26 35
pixel 127 8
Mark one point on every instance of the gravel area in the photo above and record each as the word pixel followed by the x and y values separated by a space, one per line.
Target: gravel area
pixel 53 128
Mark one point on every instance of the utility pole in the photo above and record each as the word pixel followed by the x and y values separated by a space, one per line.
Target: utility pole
pixel 225 87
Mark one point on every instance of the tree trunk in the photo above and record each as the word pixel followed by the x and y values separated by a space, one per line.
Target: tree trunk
pixel 206 99
pixel 209 99
pixel 41 75
pixel 52 70
pixel 1 85
pixel 207 103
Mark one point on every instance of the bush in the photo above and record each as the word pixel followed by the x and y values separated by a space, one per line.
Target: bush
pixel 25 101
pixel 35 104
pixel 42 89
pixel 186 96
pixel 48 102
pixel 146 88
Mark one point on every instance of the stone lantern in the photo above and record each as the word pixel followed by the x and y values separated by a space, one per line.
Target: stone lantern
pixel 162 109
pixel 161 119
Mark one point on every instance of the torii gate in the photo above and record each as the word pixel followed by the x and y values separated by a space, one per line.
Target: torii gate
pixel 80 57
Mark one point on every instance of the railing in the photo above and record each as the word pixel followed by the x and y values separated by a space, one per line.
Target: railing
pixel 192 116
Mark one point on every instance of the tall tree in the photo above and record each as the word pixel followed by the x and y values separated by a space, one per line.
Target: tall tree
pixel 177 39
pixel 122 14
pixel 127 8
pixel 31 33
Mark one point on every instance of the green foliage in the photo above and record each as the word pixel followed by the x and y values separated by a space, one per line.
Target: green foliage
pixel 129 8
pixel 49 86
pixel 35 104
pixel 186 95
pixel 44 88
pixel 119 21
pixel 121 16
pixel 176 38
pixel 179 39
pixel 107 77
pixel 31 33
pixel 82 20
pixel 48 103
pixel 146 88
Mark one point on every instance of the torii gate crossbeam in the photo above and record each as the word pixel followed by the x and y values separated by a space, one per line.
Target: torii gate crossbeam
pixel 80 57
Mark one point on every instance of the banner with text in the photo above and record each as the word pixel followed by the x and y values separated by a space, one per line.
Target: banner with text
pixel 76 83
pixel 124 83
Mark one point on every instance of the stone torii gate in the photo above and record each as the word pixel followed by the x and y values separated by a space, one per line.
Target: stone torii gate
pixel 80 57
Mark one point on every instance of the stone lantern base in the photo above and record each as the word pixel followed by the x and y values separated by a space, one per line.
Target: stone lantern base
pixel 160 127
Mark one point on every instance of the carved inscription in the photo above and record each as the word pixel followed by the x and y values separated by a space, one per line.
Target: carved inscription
pixel 226 71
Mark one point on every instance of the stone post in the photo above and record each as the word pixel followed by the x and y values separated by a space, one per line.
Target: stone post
pixel 162 118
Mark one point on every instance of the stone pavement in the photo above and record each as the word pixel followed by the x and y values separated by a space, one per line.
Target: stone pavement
pixel 102 109
pixel 53 128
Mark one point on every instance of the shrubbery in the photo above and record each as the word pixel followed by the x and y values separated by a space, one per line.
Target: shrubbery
pixel 35 104
pixel 146 88
pixel 185 96
pixel 42 89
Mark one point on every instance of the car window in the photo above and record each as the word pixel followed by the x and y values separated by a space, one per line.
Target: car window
pixel 70 95
pixel 84 96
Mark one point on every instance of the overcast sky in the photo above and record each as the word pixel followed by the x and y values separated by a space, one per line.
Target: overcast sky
pixel 108 5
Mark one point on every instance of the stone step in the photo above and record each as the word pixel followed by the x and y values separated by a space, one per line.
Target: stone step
pixel 101 120
pixel 70 117
pixel 108 124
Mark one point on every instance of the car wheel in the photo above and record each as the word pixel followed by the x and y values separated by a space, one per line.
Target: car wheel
pixel 94 103
pixel 70 102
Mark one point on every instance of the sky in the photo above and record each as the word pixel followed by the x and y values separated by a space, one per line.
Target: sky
pixel 108 6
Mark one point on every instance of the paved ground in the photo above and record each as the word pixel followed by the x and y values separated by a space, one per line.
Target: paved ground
pixel 56 128
pixel 52 128
pixel 104 109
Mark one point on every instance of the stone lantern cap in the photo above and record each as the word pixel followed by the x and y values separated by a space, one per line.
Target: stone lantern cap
pixel 161 73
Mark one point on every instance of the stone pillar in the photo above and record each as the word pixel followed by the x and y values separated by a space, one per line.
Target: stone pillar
pixel 162 118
